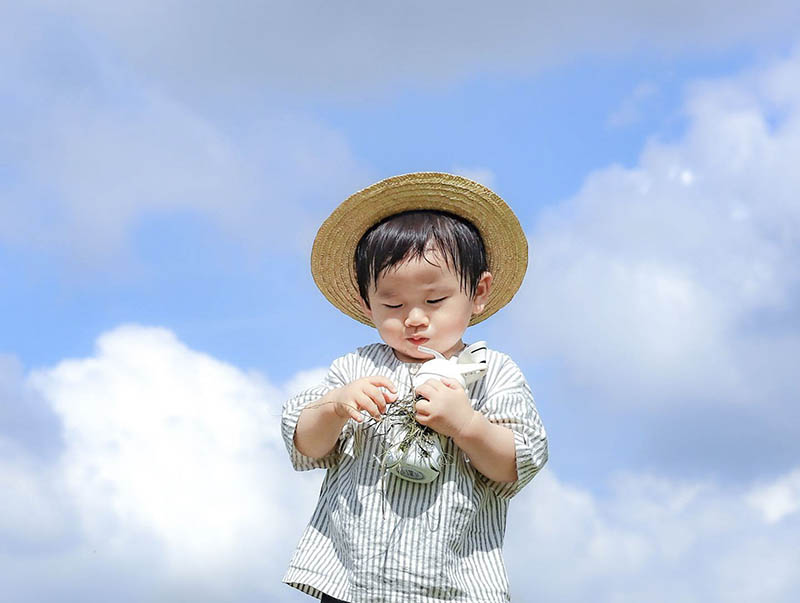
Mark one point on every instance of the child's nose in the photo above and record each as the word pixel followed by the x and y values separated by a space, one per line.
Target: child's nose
pixel 416 317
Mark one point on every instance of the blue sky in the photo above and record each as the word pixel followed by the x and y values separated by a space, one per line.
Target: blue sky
pixel 163 172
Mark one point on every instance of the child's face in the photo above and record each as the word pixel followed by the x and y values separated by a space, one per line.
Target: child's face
pixel 420 302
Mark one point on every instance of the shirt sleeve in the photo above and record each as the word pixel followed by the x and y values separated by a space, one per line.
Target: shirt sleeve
pixel 510 403
pixel 336 377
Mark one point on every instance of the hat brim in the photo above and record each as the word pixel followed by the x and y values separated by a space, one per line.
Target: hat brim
pixel 332 256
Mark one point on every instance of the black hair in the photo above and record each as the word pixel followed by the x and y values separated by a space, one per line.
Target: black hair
pixel 410 235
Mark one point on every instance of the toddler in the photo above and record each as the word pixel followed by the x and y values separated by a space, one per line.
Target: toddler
pixel 420 257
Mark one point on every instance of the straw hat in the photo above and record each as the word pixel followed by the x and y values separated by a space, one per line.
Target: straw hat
pixel 332 257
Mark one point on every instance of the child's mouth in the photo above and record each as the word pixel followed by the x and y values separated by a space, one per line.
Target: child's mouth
pixel 417 340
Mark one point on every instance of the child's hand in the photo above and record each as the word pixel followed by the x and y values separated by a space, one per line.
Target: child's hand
pixel 446 408
pixel 364 394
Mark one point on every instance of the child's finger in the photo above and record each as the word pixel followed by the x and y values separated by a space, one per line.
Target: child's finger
pixel 422 419
pixel 381 381
pixel 353 413
pixel 430 387
pixel 451 383
pixel 377 396
pixel 422 407
pixel 424 390
pixel 434 382
pixel 365 403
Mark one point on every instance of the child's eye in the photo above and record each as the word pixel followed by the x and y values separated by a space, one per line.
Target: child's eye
pixel 436 301
pixel 393 307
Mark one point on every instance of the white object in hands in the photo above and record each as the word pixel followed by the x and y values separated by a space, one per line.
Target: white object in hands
pixel 466 368
pixel 419 459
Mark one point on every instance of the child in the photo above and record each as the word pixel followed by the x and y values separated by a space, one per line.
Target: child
pixel 420 257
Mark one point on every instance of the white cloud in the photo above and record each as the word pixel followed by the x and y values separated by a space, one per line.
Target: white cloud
pixel 351 49
pixel 173 483
pixel 112 117
pixel 779 499
pixel 647 539
pixel 304 380
pixel 632 107
pixel 91 151
pixel 172 465
pixel 28 424
pixel 31 517
pixel 676 281
pixel 89 173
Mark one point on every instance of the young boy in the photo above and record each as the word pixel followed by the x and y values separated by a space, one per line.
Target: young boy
pixel 420 257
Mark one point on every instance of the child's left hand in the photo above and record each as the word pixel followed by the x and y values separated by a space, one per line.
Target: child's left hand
pixel 446 408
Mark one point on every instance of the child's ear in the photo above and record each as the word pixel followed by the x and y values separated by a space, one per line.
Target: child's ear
pixel 364 307
pixel 482 293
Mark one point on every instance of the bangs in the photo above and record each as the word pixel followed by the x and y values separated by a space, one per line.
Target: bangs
pixel 415 234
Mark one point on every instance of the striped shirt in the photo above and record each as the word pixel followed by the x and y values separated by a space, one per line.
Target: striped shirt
pixel 379 538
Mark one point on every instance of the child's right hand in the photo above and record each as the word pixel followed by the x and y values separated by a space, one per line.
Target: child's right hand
pixel 364 395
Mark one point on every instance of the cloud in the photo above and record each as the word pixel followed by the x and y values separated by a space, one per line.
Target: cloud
pixel 173 483
pixel 29 425
pixel 92 151
pixel 778 499
pixel 649 539
pixel 675 281
pixel 349 49
pixel 90 174
pixel 173 477
pixel 632 108
pixel 111 116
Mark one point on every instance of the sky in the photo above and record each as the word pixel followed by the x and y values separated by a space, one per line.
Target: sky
pixel 164 168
